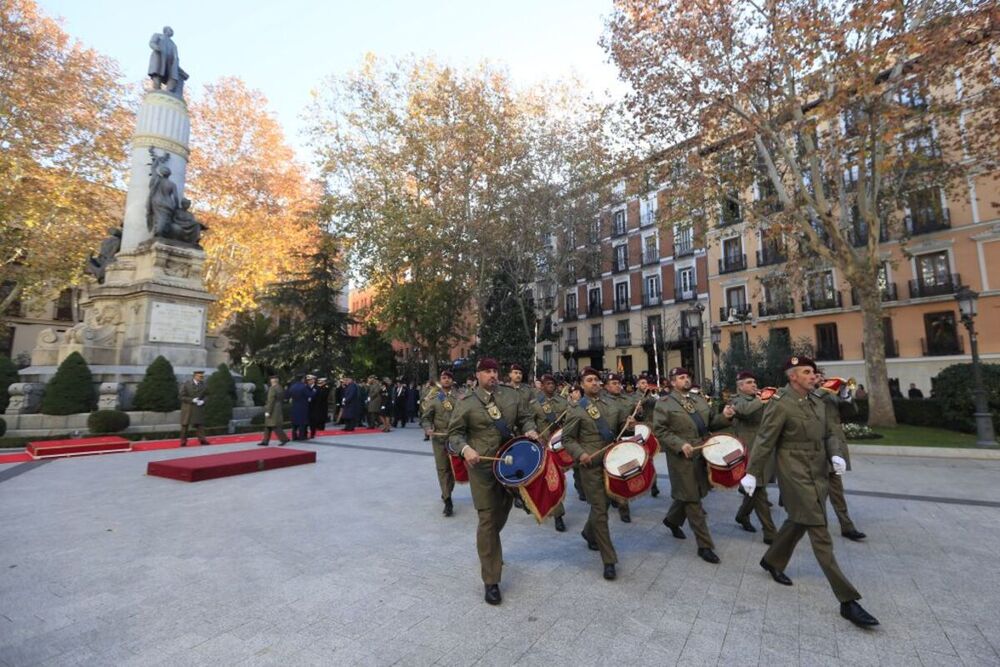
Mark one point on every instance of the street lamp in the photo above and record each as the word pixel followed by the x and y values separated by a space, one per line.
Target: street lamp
pixel 984 421
pixel 742 317
pixel 716 334
pixel 693 318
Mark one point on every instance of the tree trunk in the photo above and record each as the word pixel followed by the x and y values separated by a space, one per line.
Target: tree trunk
pixel 880 408
pixel 432 365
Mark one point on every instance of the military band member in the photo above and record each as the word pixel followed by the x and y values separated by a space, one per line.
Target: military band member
pixel 613 392
pixel 681 422
pixel 646 393
pixel 749 411
pixel 483 420
pixel 526 392
pixel 436 415
pixel 593 423
pixel 549 407
pixel 837 406
pixel 797 428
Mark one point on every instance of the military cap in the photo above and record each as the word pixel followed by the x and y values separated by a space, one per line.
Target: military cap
pixel 799 362
pixel 678 370
pixel 487 364
pixel 516 367
pixel 548 377
pixel 745 375
pixel 614 376
pixel 590 370
pixel 199 372
pixel 447 374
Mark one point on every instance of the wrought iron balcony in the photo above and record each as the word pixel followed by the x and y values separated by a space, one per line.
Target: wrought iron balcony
pixel 622 306
pixel 942 348
pixel 928 220
pixel 596 343
pixel 889 293
pixel 623 339
pixel 947 284
pixel 685 295
pixel 595 310
pixel 774 308
pixel 620 265
pixel 857 235
pixel 651 300
pixel 769 255
pixel 650 257
pixel 731 263
pixel 821 301
pixel 571 313
pixel 647 337
pixel 683 247
pixel 736 310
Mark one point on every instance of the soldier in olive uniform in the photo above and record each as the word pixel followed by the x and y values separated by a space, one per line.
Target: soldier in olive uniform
pixel 796 426
pixel 484 420
pixel 646 393
pixel 526 392
pixel 682 421
pixel 837 406
pixel 549 408
pixel 593 423
pixel 613 392
pixel 193 407
pixel 749 411
pixel 437 410
pixel 274 416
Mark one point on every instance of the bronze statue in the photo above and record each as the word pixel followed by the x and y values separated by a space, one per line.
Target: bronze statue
pixel 164 63
pixel 97 266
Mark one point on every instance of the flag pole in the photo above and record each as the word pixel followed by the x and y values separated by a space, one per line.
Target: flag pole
pixel 656 356
pixel 534 354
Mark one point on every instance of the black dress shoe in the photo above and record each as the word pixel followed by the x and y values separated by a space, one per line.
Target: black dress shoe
pixel 746 525
pixel 262 444
pixel 857 615
pixel 560 525
pixel 625 514
pixel 855 536
pixel 591 544
pixel 493 594
pixel 656 490
pixel 768 541
pixel 609 571
pixel 449 509
pixel 581 496
pixel 777 575
pixel 675 530
pixel 708 556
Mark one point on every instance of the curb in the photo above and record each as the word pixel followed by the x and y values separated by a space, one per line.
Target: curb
pixel 927 452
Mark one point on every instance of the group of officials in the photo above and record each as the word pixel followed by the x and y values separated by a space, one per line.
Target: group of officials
pixel 794 437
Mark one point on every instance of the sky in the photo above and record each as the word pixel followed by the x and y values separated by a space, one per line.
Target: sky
pixel 286 48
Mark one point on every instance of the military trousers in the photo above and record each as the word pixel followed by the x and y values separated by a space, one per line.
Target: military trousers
pixel 695 515
pixel 199 430
pixel 596 528
pixel 492 503
pixel 446 478
pixel 758 503
pixel 277 430
pixel 781 550
pixel 839 503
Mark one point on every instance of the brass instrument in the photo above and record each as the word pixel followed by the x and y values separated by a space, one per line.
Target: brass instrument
pixel 766 393
pixel 844 389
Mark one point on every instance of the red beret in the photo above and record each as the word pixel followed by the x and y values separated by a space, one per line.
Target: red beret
pixel 799 362
pixel 447 374
pixel 516 367
pixel 548 377
pixel 614 376
pixel 745 375
pixel 487 364
pixel 590 370
pixel 678 370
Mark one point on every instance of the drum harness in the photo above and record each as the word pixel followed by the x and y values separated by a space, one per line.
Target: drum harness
pixel 699 423
pixel 602 424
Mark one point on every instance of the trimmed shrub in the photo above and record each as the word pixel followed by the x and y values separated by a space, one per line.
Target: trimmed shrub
pixel 220 397
pixel 257 420
pixel 3 427
pixel 953 391
pixel 255 375
pixel 71 390
pixel 158 391
pixel 107 421
pixel 8 376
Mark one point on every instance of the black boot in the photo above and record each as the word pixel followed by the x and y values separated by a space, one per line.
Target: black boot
pixel 591 544
pixel 625 514
pixel 493 594
pixel 708 556
pixel 609 571
pixel 674 530
pixel 449 509
pixel 560 525
pixel 854 535
pixel 745 524
pixel 776 574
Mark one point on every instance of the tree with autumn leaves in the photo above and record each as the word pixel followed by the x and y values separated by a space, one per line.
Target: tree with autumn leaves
pixel 820 120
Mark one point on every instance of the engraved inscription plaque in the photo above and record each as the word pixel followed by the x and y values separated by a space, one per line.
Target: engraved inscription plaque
pixel 176 323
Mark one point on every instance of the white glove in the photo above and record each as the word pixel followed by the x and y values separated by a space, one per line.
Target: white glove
pixel 839 465
pixel 267 414
pixel 749 484
pixel 199 402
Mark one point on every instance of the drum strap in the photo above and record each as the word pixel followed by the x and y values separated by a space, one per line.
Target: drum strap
pixel 699 423
pixel 602 423
pixel 499 422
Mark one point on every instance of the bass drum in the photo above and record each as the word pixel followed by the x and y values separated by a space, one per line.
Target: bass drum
pixel 726 457
pixel 628 470
pixel 559 452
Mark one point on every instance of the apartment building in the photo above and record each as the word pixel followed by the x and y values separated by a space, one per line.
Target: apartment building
pixel 24 320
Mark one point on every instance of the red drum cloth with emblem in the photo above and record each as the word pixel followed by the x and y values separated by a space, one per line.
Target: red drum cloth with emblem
pixel 546 491
pixel 726 457
pixel 559 452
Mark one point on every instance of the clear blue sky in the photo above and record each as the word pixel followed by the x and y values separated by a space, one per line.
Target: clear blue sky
pixel 285 48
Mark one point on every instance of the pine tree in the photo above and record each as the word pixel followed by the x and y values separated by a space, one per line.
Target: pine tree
pixel 220 397
pixel 507 332
pixel 158 391
pixel 71 389
pixel 8 376
pixel 256 375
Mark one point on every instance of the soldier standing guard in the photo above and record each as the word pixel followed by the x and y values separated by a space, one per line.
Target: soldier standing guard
pixel 681 421
pixel 749 409
pixel 797 427
pixel 548 409
pixel 835 405
pixel 193 407
pixel 484 420
pixel 437 411
pixel 592 424
pixel 274 414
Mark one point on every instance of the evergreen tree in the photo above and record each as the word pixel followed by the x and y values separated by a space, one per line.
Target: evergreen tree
pixel 371 354
pixel 8 376
pixel 158 391
pixel 71 389
pixel 507 332
pixel 249 333
pixel 256 375
pixel 316 337
pixel 220 397
pixel 765 359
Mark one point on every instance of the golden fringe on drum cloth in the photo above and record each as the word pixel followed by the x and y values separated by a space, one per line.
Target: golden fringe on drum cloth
pixel 548 487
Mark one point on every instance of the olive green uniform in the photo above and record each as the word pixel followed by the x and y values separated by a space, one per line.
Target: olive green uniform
pixel 472 425
pixel 674 427
pixel 581 435
pixel 547 412
pixel 436 415
pixel 799 432
pixel 749 412
pixel 193 414
pixel 274 411
pixel 625 402
pixel 834 405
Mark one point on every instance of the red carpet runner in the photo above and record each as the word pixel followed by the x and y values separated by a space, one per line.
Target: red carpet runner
pixel 213 466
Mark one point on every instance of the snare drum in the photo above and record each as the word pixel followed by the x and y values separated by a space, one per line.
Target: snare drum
pixel 628 469
pixel 559 451
pixel 528 460
pixel 727 461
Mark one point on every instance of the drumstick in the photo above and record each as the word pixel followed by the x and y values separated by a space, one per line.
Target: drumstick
pixel 620 433
pixel 553 422
pixel 508 460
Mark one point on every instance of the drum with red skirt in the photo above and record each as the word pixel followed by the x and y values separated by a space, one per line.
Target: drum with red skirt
pixel 525 468
pixel 559 451
pixel 628 469
pixel 727 461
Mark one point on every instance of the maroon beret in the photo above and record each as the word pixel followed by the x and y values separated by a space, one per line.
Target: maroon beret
pixel 590 370
pixel 516 367
pixel 447 374
pixel 799 362
pixel 614 376
pixel 548 377
pixel 678 370
pixel 745 375
pixel 487 364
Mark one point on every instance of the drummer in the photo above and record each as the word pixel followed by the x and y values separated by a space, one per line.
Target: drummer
pixel 482 421
pixel 437 409
pixel 613 392
pixel 592 424
pixel 681 422
pixel 749 410
pixel 549 409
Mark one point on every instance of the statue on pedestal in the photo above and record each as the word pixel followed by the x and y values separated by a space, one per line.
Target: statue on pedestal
pixel 164 63
pixel 96 266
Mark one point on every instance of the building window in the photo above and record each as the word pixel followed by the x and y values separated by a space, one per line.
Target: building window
pixel 621 257
pixel 596 339
pixel 621 297
pixel 732 258
pixel 651 290
pixel 941 334
pixel 737 340
pixel 647 211
pixel 827 343
pixel 623 335
pixel 64 306
pixel 594 306
pixel 780 337
pixel 571 306
pixel 650 250
pixel 934 275
pixel 736 301
pixel 595 231
pixel 619 227
pixel 683 241
pixel 685 284
pixel 821 292
pixel 547 355
pixel 730 209
pixel 7 340
pixel 926 212
pixel 571 337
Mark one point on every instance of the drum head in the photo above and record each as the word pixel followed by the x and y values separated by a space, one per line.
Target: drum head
pixel 625 459
pixel 720 449
pixel 642 431
pixel 527 455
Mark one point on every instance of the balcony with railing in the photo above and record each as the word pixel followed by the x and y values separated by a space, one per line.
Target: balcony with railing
pixel 571 343
pixel 770 255
pixel 889 293
pixel 623 339
pixel 647 337
pixel 595 310
pixel 647 217
pixel 620 265
pixel 683 246
pixel 857 235
pixel 736 310
pixel 619 227
pixel 731 263
pixel 927 220
pixel 596 343
pixel 775 308
pixel 651 299
pixel 821 301
pixel 891 349
pixel 947 284
pixel 681 294
pixel 829 352
pixel 571 313
pixel 650 256
pixel 943 347
pixel 622 306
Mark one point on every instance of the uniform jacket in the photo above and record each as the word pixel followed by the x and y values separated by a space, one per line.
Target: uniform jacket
pixel 547 412
pixel 301 395
pixel 749 412
pixel 836 408
pixel 274 406
pixel 191 413
pixel 673 427
pixel 472 425
pixel 319 408
pixel 799 430
pixel 582 435
pixel 352 402
pixel 437 411
pixel 374 399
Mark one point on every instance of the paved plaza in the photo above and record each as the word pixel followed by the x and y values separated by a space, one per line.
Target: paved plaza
pixel 349 561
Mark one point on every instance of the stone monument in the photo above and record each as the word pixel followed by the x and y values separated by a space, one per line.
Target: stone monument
pixel 150 299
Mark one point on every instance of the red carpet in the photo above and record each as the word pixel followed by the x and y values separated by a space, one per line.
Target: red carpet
pixel 78 446
pixel 212 466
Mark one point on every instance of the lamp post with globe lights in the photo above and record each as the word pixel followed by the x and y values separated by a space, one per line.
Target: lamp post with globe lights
pixel 967 306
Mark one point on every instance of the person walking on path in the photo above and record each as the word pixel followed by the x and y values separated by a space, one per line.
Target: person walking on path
pixel 274 417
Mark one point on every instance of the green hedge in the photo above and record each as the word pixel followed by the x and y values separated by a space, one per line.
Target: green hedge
pixel 914 412
pixel 3 427
pixel 8 376
pixel 107 421
pixel 953 390
pixel 71 390
pixel 220 397
pixel 158 391
pixel 256 375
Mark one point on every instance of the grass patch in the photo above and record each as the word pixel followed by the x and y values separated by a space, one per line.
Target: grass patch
pixel 919 436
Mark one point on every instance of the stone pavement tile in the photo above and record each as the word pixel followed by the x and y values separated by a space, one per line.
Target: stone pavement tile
pixel 970 644
pixel 773 657
pixel 857 646
pixel 932 659
pixel 818 644
pixel 807 659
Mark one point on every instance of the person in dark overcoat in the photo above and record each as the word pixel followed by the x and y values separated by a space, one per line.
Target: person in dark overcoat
pixel 300 394
pixel 319 408
pixel 192 396
pixel 351 404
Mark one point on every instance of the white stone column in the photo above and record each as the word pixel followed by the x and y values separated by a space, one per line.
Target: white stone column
pixel 163 124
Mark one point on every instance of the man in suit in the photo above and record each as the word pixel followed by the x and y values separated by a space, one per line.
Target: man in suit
pixel 351 404
pixel 193 407
pixel 319 408
pixel 274 414
pixel 400 399
pixel 798 429
pixel 300 393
